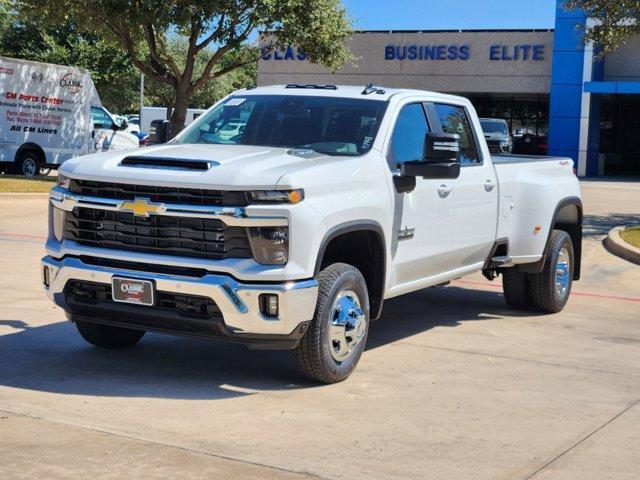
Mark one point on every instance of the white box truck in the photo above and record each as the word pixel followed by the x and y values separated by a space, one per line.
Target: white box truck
pixel 51 113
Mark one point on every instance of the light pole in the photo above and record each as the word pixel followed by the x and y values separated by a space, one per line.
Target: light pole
pixel 141 92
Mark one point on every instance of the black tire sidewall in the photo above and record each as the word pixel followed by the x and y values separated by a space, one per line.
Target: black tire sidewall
pixel 558 243
pixel 23 159
pixel 350 280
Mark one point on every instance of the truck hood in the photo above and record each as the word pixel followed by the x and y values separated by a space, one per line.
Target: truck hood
pixel 234 167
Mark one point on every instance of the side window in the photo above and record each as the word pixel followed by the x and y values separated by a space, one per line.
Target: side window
pixel 100 118
pixel 407 141
pixel 454 120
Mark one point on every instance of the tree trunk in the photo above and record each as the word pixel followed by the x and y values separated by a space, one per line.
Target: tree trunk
pixel 179 114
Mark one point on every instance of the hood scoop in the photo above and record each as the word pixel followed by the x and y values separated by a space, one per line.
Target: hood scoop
pixel 164 163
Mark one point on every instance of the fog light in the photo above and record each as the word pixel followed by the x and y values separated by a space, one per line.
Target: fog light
pixel 45 277
pixel 269 304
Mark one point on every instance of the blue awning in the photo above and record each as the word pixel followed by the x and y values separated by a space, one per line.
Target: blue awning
pixel 620 88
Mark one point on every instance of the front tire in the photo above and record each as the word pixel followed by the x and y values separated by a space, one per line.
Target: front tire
pixel 550 288
pixel 335 340
pixel 108 336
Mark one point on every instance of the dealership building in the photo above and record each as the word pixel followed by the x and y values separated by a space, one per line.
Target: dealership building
pixel 556 96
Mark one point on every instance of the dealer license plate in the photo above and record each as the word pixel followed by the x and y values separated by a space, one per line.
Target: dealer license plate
pixel 130 290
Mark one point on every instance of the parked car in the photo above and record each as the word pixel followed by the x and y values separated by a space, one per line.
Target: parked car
pixel 530 144
pixel 51 113
pixel 292 234
pixel 496 133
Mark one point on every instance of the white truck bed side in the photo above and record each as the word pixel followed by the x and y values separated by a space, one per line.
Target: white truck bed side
pixel 526 223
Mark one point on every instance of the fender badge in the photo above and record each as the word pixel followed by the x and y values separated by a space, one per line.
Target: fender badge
pixel 406 233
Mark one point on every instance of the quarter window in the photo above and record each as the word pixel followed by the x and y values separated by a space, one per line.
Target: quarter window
pixel 454 119
pixel 407 141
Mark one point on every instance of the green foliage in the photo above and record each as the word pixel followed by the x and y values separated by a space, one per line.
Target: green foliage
pixel 616 20
pixel 161 94
pixel 112 72
pixel 216 32
pixel 116 79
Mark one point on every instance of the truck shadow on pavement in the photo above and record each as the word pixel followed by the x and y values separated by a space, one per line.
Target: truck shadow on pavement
pixel 53 358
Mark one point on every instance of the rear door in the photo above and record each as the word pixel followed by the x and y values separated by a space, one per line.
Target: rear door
pixel 423 218
pixel 475 210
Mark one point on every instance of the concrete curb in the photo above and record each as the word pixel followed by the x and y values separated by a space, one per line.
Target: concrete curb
pixel 23 195
pixel 616 245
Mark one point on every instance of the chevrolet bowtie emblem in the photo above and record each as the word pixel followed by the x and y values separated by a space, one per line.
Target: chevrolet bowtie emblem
pixel 142 207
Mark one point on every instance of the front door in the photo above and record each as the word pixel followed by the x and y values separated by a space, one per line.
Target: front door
pixel 423 218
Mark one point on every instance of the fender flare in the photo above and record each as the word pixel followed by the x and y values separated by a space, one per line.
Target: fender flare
pixel 357 226
pixel 538 266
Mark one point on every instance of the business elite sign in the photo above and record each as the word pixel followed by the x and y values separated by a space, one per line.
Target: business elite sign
pixel 463 52
pixel 510 53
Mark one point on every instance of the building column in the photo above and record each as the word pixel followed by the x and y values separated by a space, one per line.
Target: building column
pixel 574 115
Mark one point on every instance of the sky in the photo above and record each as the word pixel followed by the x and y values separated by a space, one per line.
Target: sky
pixel 451 14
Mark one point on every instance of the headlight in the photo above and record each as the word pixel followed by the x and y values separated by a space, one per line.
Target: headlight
pixel 269 245
pixel 63 181
pixel 276 196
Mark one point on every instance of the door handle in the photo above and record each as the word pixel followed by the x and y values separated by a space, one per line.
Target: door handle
pixel 489 186
pixel 444 190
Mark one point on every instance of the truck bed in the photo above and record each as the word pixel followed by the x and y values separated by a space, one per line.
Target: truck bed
pixel 522 178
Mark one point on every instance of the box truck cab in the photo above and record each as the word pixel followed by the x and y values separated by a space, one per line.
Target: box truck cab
pixel 51 113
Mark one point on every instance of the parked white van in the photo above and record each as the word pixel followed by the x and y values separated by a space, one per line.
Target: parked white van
pixel 51 113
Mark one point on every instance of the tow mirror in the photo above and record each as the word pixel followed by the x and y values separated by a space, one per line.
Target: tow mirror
pixel 440 158
pixel 159 131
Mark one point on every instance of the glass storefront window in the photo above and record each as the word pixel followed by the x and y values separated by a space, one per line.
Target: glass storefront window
pixel 526 115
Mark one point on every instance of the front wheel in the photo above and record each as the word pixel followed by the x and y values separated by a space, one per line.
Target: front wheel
pixel 108 336
pixel 335 340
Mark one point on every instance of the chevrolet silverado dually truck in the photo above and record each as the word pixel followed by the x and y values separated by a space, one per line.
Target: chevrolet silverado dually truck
pixel 284 216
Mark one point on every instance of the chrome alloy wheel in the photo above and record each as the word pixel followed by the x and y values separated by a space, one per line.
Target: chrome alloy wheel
pixel 563 272
pixel 347 325
pixel 29 167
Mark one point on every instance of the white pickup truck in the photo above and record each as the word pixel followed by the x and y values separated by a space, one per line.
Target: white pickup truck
pixel 290 232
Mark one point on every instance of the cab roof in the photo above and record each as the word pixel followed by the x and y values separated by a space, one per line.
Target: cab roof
pixel 373 92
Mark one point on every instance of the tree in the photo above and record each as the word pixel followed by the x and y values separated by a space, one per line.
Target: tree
pixel 221 27
pixel 162 94
pixel 111 70
pixel 615 20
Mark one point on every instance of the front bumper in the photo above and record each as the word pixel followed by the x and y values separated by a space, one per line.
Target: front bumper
pixel 238 302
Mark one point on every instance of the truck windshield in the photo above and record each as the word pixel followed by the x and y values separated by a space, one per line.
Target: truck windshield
pixel 330 125
pixel 494 126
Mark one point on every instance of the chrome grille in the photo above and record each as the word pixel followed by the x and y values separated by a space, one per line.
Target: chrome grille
pixel 494 146
pixel 165 235
pixel 174 195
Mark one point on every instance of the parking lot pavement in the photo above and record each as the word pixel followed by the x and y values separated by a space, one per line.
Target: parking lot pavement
pixel 452 385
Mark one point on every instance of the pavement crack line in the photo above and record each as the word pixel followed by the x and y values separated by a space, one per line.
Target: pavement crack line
pixel 582 440
pixel 169 445
pixel 518 359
